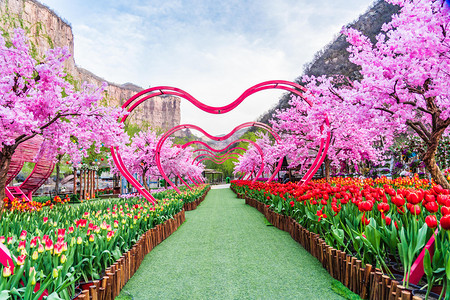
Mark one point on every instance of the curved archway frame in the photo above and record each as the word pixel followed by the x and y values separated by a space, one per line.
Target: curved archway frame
pixel 217 157
pixel 161 90
pixel 190 126
pixel 219 162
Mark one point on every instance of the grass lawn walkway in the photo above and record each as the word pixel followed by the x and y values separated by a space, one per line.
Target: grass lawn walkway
pixel 224 250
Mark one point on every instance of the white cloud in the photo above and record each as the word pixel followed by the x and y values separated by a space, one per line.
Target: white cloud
pixel 213 50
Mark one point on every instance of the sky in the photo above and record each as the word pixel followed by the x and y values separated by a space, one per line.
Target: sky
pixel 214 50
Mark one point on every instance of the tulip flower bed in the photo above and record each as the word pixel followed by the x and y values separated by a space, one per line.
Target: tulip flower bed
pixel 382 223
pixel 25 205
pixel 60 246
pixel 191 198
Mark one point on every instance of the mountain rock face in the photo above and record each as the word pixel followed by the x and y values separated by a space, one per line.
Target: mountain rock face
pixel 333 58
pixel 160 112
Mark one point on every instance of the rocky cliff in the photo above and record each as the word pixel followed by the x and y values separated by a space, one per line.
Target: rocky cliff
pixel 333 58
pixel 50 30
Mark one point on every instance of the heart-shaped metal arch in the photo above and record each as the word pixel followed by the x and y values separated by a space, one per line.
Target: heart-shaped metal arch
pixel 216 156
pixel 207 150
pixel 244 125
pixel 220 161
pixel 185 126
pixel 144 95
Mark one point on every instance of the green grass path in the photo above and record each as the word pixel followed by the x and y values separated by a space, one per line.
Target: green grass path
pixel 224 250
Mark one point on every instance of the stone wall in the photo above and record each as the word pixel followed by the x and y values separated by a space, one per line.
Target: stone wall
pixel 163 112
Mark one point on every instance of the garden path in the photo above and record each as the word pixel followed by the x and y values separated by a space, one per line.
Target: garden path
pixel 225 250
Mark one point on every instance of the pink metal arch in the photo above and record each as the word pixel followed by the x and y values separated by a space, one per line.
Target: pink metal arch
pixel 219 162
pixel 185 126
pixel 193 181
pixel 40 173
pixel 184 182
pixel 214 159
pixel 244 125
pixel 209 151
pixel 168 90
pixel 230 152
pixel 157 91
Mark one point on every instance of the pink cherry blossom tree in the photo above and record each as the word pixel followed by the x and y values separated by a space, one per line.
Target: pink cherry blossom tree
pixel 406 74
pixel 38 100
pixel 404 87
pixel 139 158
pixel 250 161
pixel 354 137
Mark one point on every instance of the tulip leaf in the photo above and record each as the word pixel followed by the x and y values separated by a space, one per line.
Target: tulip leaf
pixel 447 268
pixel 421 238
pixel 427 264
pixel 54 296
pixel 338 235
pixel 4 295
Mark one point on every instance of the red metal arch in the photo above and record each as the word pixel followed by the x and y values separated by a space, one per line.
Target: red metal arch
pixel 185 126
pixel 209 151
pixel 210 154
pixel 161 90
pixel 168 90
pixel 244 125
pixel 218 162
pixel 40 173
pixel 217 159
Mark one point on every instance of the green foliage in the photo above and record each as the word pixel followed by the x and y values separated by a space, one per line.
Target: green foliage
pixel 226 168
pixel 133 128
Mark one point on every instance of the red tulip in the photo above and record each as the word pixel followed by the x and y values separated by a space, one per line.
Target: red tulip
pixel 336 208
pixel 414 209
pixel 413 198
pixel 365 206
pixel 442 199
pixel 388 221
pixel 48 245
pixel 430 198
pixel 431 221
pixel 445 210
pixel 445 222
pixel 431 207
pixel 383 207
pixel 398 200
pixel 23 235
pixel 396 224
pixel 364 220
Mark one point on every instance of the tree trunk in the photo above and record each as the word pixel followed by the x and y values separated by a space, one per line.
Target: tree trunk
pixel 57 173
pixel 74 181
pixel 81 184
pixel 93 184
pixel 91 179
pixel 429 158
pixel 5 160
pixel 88 184
pixel 145 180
pixel 327 162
